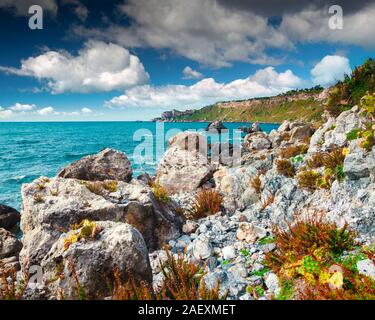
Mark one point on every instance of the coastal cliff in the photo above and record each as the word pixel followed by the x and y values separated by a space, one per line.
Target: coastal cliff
pixel 304 104
pixel 291 218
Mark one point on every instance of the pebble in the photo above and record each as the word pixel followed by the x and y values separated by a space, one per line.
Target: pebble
pixel 229 252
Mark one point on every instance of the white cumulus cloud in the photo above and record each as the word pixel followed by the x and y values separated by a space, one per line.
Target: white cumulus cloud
pixel 4 114
pixel 98 67
pixel 46 111
pixel 86 110
pixel 22 107
pixel 265 82
pixel 330 69
pixel 189 73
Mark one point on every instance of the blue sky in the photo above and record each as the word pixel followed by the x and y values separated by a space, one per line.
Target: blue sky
pixel 131 60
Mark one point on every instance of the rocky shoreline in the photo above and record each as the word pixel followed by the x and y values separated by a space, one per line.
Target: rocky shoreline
pixel 96 216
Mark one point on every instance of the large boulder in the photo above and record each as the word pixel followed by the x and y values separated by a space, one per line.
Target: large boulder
pixel 317 139
pixel 185 165
pixel 301 133
pixel 190 141
pixel 108 164
pixel 9 217
pixel 257 141
pixel 52 206
pixel 183 171
pixel 116 247
pixel 9 245
pixel 345 122
pixel 235 185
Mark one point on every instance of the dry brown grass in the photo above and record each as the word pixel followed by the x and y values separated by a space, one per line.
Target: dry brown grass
pixel 183 281
pixel 308 179
pixel 333 159
pixel 267 202
pixel 316 161
pixel 10 287
pixel 292 151
pixel 285 167
pixel 131 290
pixel 256 183
pixel 94 187
pixel 207 202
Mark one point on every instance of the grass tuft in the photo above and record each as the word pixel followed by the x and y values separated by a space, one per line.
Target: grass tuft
pixel 206 203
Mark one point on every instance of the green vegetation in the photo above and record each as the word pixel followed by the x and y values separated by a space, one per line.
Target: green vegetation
pixel 266 240
pixel 85 230
pixel 302 104
pixel 274 109
pixel 260 273
pixel 160 193
pixel 310 265
pixel 349 92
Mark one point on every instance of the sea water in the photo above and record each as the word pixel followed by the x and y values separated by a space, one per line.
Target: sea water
pixel 30 150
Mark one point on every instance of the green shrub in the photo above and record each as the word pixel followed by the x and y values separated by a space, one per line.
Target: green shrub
pixel 354 134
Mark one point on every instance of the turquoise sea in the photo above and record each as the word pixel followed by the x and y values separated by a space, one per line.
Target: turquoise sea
pixel 30 150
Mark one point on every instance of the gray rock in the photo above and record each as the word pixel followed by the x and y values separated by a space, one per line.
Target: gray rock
pixel 108 164
pixel 356 166
pixel 9 244
pixel 9 217
pixel 234 184
pixel 284 127
pixel 229 252
pixel 256 141
pixel 272 283
pixel 345 122
pixel 367 268
pixel 118 247
pixel 190 227
pixel 202 248
pixel 250 232
pixel 52 206
pixel 300 133
pixel 183 170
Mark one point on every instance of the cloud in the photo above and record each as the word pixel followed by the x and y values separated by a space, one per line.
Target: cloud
pixel 22 107
pixel 330 69
pixel 311 25
pixel 203 31
pixel 189 73
pixel 98 67
pixel 86 110
pixel 21 7
pixel 31 110
pixel 4 114
pixel 265 82
pixel 279 8
pixel 79 9
pixel 46 111
pixel 219 32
